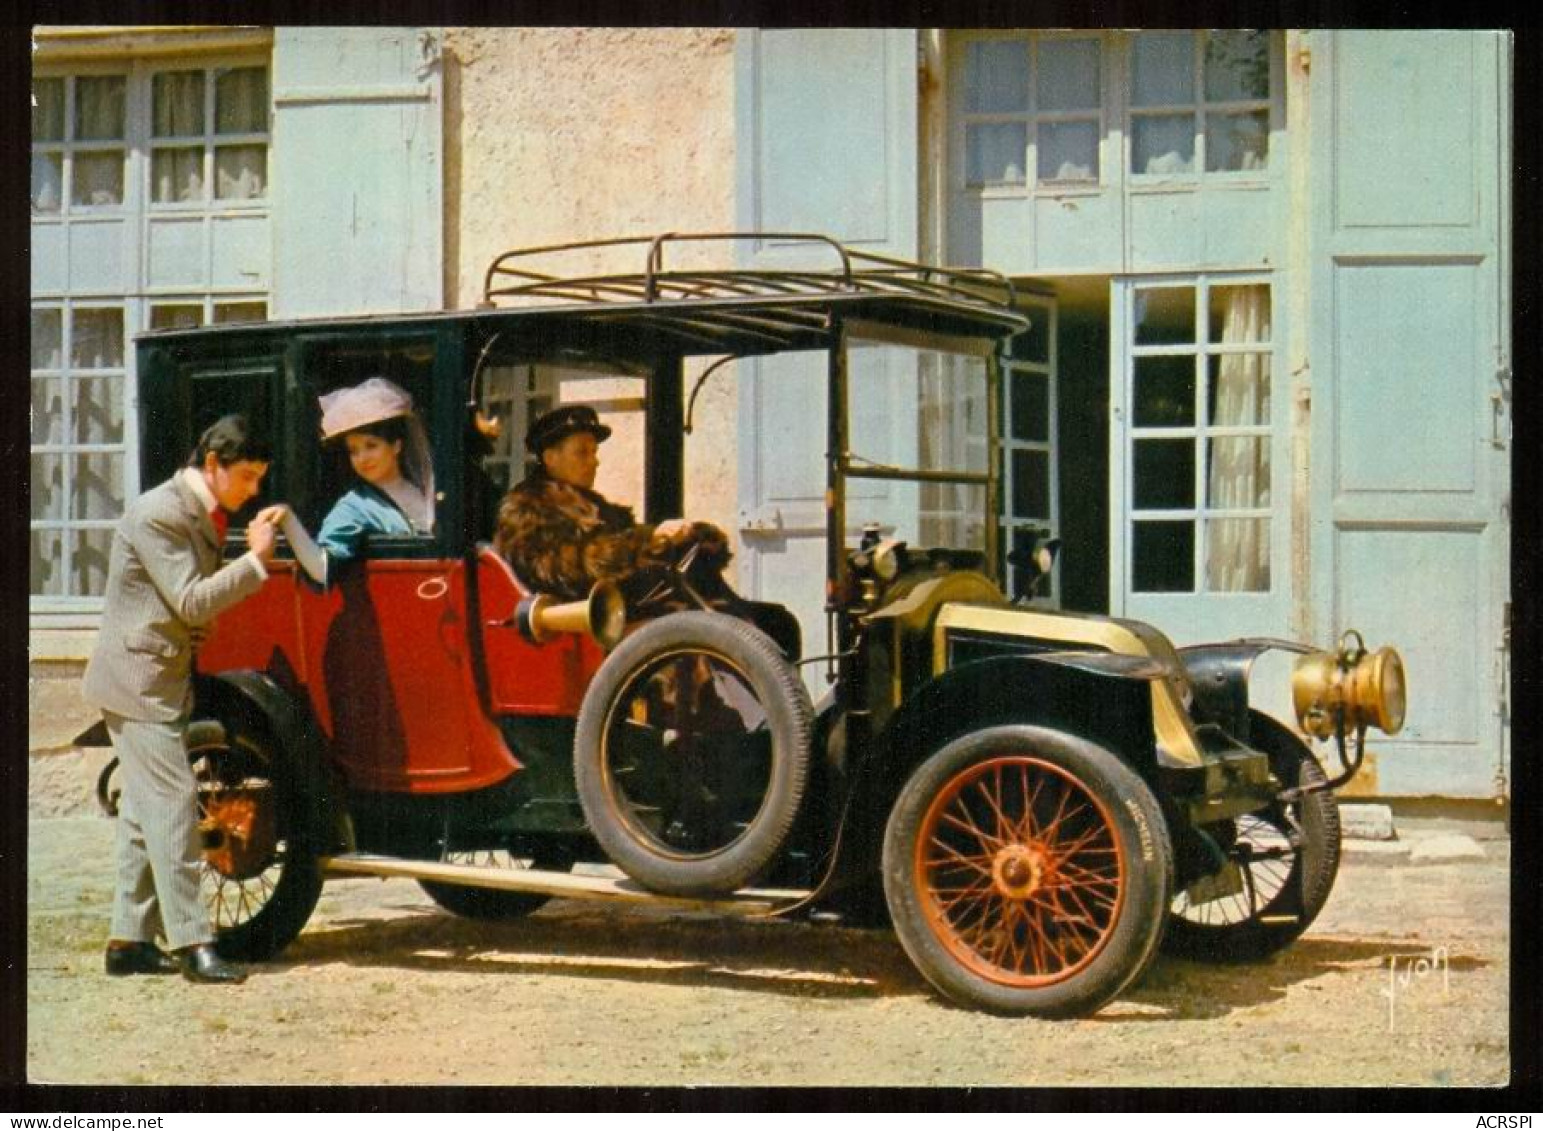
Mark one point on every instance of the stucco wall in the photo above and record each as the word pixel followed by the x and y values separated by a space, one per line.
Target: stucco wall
pixel 561 134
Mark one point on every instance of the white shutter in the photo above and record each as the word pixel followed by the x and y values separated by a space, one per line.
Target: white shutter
pixel 357 155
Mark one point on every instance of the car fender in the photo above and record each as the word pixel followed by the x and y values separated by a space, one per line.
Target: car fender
pixel 247 693
pixel 1100 697
pixel 1219 676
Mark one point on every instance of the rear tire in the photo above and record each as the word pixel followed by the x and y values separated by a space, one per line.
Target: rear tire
pixel 494 903
pixel 261 881
pixel 1289 887
pixel 691 753
pixel 1027 872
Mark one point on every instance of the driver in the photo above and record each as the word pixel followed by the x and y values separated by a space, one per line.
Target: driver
pixel 561 536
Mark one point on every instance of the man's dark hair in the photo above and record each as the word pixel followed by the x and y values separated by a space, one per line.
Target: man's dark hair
pixel 231 440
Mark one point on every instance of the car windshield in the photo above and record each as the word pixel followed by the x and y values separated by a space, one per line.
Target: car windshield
pixel 893 452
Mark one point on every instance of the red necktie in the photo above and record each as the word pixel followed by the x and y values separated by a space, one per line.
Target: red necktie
pixel 221 522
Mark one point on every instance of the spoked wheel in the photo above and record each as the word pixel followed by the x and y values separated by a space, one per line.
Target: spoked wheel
pixel 495 903
pixel 1282 864
pixel 1027 872
pixel 260 879
pixel 691 753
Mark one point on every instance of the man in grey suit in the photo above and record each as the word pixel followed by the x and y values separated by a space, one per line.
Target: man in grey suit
pixel 165 585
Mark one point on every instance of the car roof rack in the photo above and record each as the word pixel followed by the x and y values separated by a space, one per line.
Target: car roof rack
pixel 512 279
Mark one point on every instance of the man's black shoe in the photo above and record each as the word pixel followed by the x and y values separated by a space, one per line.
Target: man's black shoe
pixel 202 964
pixel 140 958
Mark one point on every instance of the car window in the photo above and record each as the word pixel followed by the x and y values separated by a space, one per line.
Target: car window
pixel 517 391
pixel 332 366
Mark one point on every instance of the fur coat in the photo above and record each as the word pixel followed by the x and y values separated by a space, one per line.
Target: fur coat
pixel 562 539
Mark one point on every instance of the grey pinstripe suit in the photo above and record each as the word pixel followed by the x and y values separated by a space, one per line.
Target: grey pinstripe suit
pixel 164 579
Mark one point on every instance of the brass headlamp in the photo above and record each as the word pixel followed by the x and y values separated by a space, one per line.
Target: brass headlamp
pixel 1349 690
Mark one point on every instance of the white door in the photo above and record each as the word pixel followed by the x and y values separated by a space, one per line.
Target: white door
pixel 1410 382
pixel 1198 459
pixel 826 136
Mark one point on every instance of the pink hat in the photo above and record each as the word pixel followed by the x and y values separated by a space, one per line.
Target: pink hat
pixel 368 402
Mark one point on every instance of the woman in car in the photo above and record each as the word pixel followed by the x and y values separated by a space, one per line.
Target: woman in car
pixel 393 489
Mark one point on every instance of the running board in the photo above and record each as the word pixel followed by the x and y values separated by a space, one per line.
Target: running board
pixel 563 885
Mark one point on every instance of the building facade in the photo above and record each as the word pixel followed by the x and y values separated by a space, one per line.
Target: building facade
pixel 1267 391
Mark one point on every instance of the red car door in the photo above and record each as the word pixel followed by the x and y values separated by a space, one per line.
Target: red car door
pixel 391 680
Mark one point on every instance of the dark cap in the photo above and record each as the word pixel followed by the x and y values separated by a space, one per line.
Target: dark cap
pixel 555 426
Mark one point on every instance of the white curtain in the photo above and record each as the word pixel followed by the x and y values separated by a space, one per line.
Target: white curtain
pixel 952 418
pixel 1238 550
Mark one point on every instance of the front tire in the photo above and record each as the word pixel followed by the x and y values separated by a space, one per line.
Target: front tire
pixel 260 876
pixel 1027 872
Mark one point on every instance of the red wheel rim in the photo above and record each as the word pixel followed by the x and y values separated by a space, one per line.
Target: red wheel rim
pixel 1019 871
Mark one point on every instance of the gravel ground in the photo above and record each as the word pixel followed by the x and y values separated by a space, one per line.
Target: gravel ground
pixel 383 988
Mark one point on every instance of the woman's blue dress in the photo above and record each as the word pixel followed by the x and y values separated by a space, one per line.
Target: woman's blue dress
pixel 362 511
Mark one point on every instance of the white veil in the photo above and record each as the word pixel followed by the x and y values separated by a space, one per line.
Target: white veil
pixel 371 401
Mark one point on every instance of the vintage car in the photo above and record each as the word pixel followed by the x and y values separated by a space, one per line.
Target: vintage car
pixel 1035 799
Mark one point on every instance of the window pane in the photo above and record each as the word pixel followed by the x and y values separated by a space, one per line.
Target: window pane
pixel 88 564
pixel 97 489
pixel 98 178
pixel 1163 557
pixel 1240 314
pixel 47 182
pixel 97 339
pixel 179 104
pixel 1237 555
pixel 1239 472
pixel 98 414
pixel 1031 484
pixel 1239 389
pixel 1031 406
pixel 241 100
pixel 995 154
pixel 240 311
pixel 997 77
pixel 1164 474
pixel 1237 66
pixel 1068 151
pixel 47 486
pixel 177 175
pixel 1163 63
pixel 178 316
pixel 1068 74
pixel 950 515
pixel 1163 143
pixel 1034 343
pixel 47 410
pixel 1237 142
pixel 47 563
pixel 48 110
pixel 1165 392
pixel 240 172
pixel 99 108
pixel 1165 316
pixel 47 335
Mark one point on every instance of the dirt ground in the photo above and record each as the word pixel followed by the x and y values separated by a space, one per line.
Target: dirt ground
pixel 384 988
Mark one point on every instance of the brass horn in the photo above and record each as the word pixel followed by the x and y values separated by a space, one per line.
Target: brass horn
pixel 602 615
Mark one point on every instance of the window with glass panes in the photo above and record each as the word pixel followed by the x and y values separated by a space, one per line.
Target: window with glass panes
pixel 1031 508
pixel 514 395
pixel 1199 100
pixel 1200 490
pixel 116 149
pixel 1032 110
